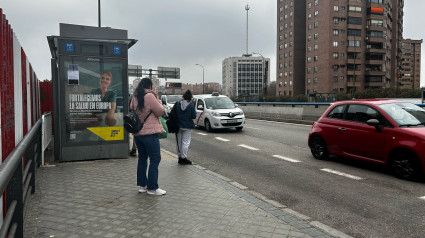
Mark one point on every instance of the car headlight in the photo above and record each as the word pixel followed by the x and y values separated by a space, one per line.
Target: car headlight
pixel 168 108
pixel 241 113
pixel 216 114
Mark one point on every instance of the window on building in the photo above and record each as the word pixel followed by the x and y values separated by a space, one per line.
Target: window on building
pixel 336 8
pixel 335 55
pixel 354 32
pixel 355 9
pixel 336 20
pixel 335 43
pixel 354 20
pixel 354 43
pixel 336 32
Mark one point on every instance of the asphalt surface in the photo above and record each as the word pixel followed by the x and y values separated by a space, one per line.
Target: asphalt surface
pixel 273 159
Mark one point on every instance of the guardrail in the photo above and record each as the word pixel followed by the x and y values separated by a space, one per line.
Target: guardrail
pixel 293 104
pixel 17 178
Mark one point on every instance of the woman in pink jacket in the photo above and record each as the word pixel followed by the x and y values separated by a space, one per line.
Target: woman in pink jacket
pixel 146 101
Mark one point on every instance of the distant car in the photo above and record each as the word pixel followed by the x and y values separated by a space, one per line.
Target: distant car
pixel 168 102
pixel 214 111
pixel 386 132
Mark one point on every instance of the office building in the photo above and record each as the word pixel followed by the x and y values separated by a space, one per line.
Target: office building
pixel 410 76
pixel 350 45
pixel 245 76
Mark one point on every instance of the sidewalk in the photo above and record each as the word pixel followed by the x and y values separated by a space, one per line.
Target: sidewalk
pixel 100 199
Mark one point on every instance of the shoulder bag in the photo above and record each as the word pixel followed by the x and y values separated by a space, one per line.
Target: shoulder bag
pixel 172 122
pixel 132 122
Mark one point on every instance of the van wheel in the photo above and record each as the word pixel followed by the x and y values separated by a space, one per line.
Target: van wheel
pixel 318 148
pixel 405 165
pixel 239 128
pixel 208 126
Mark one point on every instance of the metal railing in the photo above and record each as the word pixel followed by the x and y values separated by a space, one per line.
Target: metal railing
pixel 17 181
pixel 293 104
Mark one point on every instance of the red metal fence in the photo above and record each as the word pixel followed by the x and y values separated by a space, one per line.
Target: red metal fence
pixel 19 92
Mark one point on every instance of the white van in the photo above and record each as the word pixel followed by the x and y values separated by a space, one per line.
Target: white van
pixel 168 102
pixel 214 111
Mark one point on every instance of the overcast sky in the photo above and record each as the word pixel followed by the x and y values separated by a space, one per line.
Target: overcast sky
pixel 170 33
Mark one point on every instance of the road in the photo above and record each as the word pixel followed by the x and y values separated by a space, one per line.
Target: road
pixel 272 158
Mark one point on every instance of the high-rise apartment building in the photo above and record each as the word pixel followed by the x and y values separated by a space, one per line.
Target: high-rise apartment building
pixel 291 47
pixel 245 76
pixel 349 45
pixel 410 64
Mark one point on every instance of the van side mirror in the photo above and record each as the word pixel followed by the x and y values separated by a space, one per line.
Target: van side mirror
pixel 375 123
pixel 163 101
pixel 236 105
pixel 200 107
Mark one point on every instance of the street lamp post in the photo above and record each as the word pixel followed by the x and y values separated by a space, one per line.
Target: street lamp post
pixel 262 71
pixel 203 92
pixel 98 10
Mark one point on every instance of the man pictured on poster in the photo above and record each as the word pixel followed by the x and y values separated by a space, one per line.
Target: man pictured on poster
pixel 107 96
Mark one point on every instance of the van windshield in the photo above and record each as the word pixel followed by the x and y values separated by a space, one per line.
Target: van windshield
pixel 219 103
pixel 174 98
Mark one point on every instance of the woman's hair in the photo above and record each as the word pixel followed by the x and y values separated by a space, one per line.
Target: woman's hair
pixel 145 83
pixel 107 73
pixel 187 95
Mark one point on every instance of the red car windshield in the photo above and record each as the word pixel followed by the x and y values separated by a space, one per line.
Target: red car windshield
pixel 405 114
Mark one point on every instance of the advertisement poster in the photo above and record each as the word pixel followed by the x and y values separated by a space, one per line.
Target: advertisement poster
pixel 93 103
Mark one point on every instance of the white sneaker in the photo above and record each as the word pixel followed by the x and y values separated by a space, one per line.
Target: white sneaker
pixel 157 192
pixel 142 189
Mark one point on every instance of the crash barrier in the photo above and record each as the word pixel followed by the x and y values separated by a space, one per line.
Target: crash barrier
pixel 46 133
pixel 17 177
pixel 296 112
pixel 20 113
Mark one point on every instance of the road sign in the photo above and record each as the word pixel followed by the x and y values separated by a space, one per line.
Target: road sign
pixel 168 72
pixel 134 70
pixel 173 85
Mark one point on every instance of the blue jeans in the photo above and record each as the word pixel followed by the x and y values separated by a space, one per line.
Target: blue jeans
pixel 148 146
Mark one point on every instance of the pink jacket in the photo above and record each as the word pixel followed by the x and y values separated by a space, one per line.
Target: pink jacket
pixel 152 125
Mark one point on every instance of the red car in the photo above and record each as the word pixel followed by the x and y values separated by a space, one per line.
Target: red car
pixel 380 131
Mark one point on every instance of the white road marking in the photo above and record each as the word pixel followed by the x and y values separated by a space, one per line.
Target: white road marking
pixel 222 139
pixel 342 174
pixel 423 198
pixel 248 147
pixel 286 158
pixel 202 134
pixel 255 128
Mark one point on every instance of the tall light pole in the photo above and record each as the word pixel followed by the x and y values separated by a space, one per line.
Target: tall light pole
pixel 262 71
pixel 98 9
pixel 247 9
pixel 203 92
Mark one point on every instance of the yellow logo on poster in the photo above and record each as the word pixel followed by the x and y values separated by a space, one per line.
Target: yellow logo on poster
pixel 108 133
